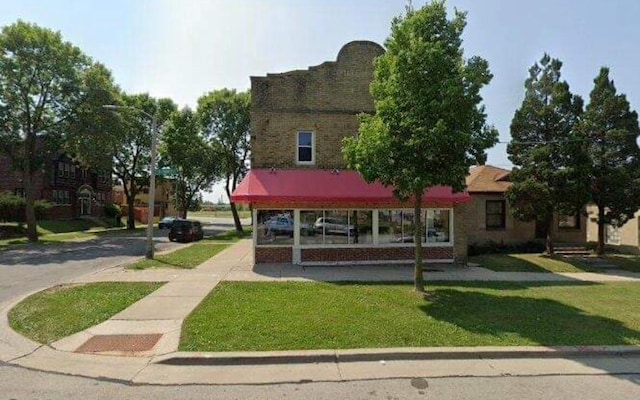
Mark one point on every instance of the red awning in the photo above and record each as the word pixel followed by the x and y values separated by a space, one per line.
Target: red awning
pixel 344 187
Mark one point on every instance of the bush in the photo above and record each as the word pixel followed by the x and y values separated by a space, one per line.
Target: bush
pixel 113 212
pixel 491 247
pixel 12 208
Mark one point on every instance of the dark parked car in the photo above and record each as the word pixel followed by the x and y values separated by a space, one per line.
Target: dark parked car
pixel 166 222
pixel 184 230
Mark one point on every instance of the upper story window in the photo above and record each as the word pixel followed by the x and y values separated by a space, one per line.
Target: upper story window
pixel 569 221
pixel 496 214
pixel 305 152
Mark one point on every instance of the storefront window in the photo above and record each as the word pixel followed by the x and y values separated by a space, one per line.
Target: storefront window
pixel 438 226
pixel 275 227
pixel 336 227
pixel 395 226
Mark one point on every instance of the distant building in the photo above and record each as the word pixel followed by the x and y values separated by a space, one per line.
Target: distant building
pixel 74 191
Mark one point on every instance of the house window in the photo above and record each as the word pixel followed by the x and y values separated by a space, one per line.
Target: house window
pixel 19 192
pixel 61 197
pixel 568 221
pixel 305 152
pixel 438 226
pixel 61 169
pixel 495 214
pixel 612 234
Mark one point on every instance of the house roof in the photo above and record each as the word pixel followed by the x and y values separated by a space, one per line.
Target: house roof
pixel 488 179
pixel 338 187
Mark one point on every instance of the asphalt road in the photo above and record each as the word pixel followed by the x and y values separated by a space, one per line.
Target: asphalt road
pixel 21 384
pixel 29 268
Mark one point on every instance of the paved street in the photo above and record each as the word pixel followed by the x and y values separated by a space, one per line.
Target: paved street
pixel 28 268
pixel 42 385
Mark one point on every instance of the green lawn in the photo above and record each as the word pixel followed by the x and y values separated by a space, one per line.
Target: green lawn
pixel 529 263
pixel 61 311
pixel 187 258
pixel 217 214
pixel 625 261
pixel 294 315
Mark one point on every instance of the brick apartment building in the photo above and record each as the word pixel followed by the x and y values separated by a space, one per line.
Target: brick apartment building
pixel 72 190
pixel 307 207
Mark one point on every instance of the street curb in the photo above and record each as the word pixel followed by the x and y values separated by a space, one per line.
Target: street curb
pixel 400 354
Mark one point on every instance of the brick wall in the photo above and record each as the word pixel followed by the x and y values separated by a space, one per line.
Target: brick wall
pixel 374 254
pixel 272 255
pixel 324 99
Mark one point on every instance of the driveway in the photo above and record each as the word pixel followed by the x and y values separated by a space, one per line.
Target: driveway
pixel 32 267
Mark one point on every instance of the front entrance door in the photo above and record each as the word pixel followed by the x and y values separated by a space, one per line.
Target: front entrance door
pixel 85 206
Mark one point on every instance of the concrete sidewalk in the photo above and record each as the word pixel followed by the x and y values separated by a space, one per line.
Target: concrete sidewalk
pixel 151 328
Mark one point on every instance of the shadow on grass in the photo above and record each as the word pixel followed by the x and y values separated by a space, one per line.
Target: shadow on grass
pixel 522 263
pixel 543 321
pixel 494 285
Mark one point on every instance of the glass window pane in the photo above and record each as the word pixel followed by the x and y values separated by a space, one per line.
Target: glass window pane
pixel 392 225
pixel 408 226
pixel 305 139
pixel 362 222
pixel 275 227
pixel 309 233
pixel 438 222
pixel 305 154
pixel 336 227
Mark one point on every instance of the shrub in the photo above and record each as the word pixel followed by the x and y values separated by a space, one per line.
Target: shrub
pixel 112 211
pixel 12 208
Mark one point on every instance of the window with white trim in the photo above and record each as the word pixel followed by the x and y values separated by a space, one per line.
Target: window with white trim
pixel 305 153
pixel 438 226
pixel 336 227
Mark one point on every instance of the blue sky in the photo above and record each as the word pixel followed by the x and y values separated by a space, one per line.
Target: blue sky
pixel 184 48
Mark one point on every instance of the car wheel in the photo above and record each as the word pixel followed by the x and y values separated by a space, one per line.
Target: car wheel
pixel 304 232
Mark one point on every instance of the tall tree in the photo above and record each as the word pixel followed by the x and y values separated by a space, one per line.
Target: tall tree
pixel 225 116
pixel 545 151
pixel 192 158
pixel 41 87
pixel 429 126
pixel 131 149
pixel 610 132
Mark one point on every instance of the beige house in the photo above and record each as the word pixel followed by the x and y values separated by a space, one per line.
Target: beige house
pixel 163 205
pixel 489 216
pixel 625 238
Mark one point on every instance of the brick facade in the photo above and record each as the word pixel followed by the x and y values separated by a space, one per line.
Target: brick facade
pixel 49 180
pixel 325 99
pixel 374 254
pixel 272 255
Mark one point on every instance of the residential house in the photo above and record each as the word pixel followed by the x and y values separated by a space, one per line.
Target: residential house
pixel 73 190
pixel 489 216
pixel 163 205
pixel 625 238
pixel 308 208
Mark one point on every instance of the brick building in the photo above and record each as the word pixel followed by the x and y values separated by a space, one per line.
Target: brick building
pixel 307 207
pixel 73 191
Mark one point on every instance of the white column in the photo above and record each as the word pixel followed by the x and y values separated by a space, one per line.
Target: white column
pixel 296 256
pixel 255 228
pixel 375 227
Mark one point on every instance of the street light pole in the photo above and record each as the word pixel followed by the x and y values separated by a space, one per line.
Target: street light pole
pixel 152 173
pixel 152 188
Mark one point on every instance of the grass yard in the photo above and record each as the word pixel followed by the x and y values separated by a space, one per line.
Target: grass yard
pixel 58 312
pixel 529 263
pixel 294 315
pixel 625 261
pixel 187 257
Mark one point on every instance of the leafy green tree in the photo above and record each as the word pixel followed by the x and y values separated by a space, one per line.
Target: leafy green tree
pixel 41 88
pixel 131 149
pixel 192 158
pixel 429 126
pixel 225 116
pixel 610 132
pixel 545 151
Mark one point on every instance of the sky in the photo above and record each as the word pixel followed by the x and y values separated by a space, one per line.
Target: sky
pixel 184 48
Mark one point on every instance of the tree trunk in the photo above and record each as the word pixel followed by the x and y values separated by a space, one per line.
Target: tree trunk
pixel 549 241
pixel 418 279
pixel 234 212
pixel 600 246
pixel 30 212
pixel 131 216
